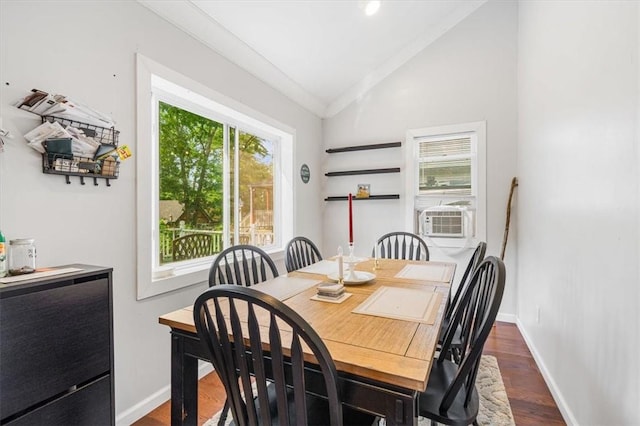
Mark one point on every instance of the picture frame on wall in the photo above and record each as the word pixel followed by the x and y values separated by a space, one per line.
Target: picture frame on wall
pixel 363 190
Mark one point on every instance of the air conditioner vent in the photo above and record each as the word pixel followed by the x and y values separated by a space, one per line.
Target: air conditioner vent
pixel 444 223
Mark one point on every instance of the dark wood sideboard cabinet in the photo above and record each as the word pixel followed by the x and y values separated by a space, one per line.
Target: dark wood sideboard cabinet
pixel 56 349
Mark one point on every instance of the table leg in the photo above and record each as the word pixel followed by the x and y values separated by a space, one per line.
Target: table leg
pixel 184 385
pixel 399 407
pixel 402 411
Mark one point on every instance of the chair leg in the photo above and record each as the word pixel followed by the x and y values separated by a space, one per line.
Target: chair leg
pixel 456 355
pixel 224 413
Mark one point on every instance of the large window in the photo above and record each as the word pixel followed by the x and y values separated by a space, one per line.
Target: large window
pixel 210 176
pixel 446 183
pixel 197 156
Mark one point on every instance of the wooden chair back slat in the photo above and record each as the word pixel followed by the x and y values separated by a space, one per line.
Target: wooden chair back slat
pixel 401 245
pixel 237 358
pixel 476 312
pixel 243 265
pixel 300 252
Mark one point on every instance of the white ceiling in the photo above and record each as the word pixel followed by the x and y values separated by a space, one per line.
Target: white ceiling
pixel 323 54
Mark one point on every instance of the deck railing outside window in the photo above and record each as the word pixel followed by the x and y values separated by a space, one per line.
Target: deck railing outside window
pixel 253 234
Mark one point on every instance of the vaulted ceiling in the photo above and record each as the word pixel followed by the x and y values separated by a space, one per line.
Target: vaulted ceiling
pixel 323 54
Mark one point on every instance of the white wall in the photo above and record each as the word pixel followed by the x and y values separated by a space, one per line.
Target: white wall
pixel 467 75
pixel 86 50
pixel 578 204
pixel 562 78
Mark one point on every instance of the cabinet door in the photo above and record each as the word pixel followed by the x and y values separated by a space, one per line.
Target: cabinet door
pixel 87 406
pixel 52 340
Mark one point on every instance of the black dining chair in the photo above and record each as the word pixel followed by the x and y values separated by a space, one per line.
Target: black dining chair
pixel 401 245
pixel 451 397
pixel 300 252
pixel 242 265
pixel 474 261
pixel 242 331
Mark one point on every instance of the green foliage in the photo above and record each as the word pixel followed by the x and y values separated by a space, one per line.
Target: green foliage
pixel 191 165
pixel 190 161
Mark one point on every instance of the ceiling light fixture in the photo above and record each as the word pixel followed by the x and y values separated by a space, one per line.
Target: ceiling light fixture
pixel 372 7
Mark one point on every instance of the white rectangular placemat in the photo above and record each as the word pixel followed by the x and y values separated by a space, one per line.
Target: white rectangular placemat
pixel 324 267
pixel 37 274
pixel 433 272
pixel 410 304
pixel 284 287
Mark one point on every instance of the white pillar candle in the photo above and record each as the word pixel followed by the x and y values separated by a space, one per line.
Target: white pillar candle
pixel 340 266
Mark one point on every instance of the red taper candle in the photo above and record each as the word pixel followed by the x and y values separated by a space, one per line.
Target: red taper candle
pixel 350 219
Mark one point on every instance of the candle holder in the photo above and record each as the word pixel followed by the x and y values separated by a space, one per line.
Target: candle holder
pixel 376 260
pixel 351 263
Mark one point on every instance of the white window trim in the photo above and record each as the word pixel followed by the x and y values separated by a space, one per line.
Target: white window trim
pixel 479 180
pixel 150 278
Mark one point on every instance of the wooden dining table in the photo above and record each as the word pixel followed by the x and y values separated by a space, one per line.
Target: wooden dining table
pixel 383 362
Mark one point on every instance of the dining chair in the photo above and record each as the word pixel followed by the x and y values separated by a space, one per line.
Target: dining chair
pixel 474 261
pixel 401 245
pixel 242 331
pixel 451 397
pixel 300 252
pixel 191 246
pixel 242 265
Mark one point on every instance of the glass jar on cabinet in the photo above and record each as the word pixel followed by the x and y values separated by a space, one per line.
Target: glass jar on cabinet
pixel 22 256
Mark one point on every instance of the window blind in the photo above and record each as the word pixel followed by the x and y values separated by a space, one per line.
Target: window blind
pixel 445 165
pixel 446 147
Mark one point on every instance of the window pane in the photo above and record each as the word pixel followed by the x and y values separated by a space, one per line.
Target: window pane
pixel 190 184
pixel 256 224
pixel 234 206
pixel 445 165
pixel 446 177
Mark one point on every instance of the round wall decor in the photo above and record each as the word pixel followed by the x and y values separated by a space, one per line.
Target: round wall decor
pixel 305 173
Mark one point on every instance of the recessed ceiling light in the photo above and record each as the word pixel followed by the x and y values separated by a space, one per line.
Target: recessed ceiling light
pixel 372 7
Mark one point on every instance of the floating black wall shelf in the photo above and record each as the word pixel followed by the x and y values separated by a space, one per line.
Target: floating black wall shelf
pixel 371 197
pixel 364 172
pixel 364 147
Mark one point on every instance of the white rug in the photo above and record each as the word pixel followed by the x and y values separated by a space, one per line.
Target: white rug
pixel 494 404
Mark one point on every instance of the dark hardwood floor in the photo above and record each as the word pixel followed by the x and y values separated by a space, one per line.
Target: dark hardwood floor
pixel 530 399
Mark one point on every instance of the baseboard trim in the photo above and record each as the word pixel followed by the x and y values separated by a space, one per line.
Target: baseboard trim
pixel 152 402
pixel 506 318
pixel 566 412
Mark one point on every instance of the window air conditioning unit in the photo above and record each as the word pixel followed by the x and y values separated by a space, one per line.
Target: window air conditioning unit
pixel 444 221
